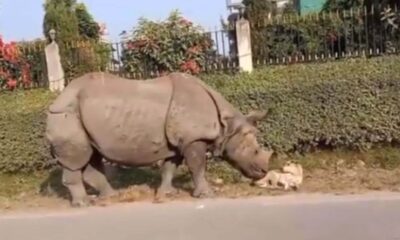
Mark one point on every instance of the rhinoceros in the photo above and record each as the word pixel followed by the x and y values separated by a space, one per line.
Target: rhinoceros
pixel 175 119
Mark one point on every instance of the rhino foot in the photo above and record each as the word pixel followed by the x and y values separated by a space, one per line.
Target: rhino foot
pixel 108 193
pixel 87 202
pixel 165 192
pixel 196 161
pixel 168 191
pixel 202 193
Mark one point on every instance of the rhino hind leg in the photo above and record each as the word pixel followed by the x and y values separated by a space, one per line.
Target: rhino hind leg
pixel 94 175
pixel 166 188
pixel 71 147
pixel 195 157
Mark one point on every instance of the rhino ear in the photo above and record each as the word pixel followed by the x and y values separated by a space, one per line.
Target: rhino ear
pixel 256 116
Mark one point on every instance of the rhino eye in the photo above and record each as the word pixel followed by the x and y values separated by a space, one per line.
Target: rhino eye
pixel 256 152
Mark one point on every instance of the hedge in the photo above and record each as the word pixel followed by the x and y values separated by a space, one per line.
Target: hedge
pixel 23 147
pixel 350 103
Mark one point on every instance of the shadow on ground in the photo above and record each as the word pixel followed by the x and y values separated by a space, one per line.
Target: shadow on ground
pixel 120 179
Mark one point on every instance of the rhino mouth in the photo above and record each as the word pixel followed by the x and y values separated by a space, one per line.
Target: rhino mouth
pixel 257 172
pixel 255 175
pixel 250 171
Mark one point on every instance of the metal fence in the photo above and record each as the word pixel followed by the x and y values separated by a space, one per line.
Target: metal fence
pixel 82 57
pixel 33 54
pixel 326 36
pixel 220 57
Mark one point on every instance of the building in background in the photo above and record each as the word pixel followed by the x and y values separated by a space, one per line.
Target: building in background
pixel 236 7
pixel 302 6
pixel 309 6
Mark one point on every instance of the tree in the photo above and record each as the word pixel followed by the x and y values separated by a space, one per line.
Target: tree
pixel 70 19
pixel 267 39
pixel 257 11
pixel 60 15
pixel 334 5
pixel 88 27
pixel 73 23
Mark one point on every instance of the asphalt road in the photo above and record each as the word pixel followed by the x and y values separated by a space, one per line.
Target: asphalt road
pixel 296 217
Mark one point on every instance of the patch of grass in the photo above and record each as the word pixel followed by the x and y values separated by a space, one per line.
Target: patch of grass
pixel 13 186
pixel 387 158
pixel 222 170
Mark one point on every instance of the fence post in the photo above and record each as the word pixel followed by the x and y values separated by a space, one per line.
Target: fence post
pixel 243 40
pixel 55 71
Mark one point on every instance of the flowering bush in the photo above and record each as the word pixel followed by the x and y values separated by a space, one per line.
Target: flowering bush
pixel 14 71
pixel 175 44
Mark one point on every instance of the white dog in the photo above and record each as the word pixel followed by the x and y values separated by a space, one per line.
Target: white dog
pixel 291 175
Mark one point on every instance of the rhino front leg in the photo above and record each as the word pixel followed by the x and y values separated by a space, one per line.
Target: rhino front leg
pixel 167 174
pixel 73 180
pixel 195 156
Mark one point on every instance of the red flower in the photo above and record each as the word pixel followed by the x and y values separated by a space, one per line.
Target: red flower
pixel 12 84
pixel 130 45
pixel 190 66
pixel 9 52
pixel 26 77
pixel 185 22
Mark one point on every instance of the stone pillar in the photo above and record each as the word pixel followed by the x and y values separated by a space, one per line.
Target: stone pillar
pixel 243 40
pixel 55 71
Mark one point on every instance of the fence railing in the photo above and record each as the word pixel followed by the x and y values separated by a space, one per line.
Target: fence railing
pixel 283 39
pixel 33 54
pixel 326 36
pixel 81 57
pixel 220 57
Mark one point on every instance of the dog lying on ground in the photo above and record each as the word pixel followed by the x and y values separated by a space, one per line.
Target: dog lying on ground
pixel 290 176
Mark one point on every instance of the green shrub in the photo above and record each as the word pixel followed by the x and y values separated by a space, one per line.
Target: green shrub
pixel 349 104
pixel 175 44
pixel 22 120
